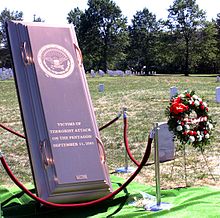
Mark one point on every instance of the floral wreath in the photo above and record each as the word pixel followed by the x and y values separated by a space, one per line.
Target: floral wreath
pixel 189 120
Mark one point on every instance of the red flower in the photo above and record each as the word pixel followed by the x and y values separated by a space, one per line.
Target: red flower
pixel 184 133
pixel 191 133
pixel 177 108
pixel 188 95
pixel 202 107
pixel 177 100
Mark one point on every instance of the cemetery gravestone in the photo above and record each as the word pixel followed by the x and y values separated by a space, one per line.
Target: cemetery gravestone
pixel 101 73
pixel 66 154
pixel 93 74
pixel 173 91
pixel 101 87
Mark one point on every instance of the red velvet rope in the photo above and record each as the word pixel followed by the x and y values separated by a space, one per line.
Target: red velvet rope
pixel 109 123
pixel 78 205
pixel 126 141
pixel 12 131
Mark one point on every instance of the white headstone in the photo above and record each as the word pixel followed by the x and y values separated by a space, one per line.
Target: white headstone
pixel 218 79
pixel 165 143
pixel 218 94
pixel 101 73
pixel 110 72
pixel 101 87
pixel 128 72
pixel 173 91
pixel 120 72
pixel 93 74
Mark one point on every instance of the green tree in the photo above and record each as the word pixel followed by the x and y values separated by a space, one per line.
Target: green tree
pixel 143 34
pixel 75 17
pixel 205 49
pixel 218 41
pixel 185 18
pixel 5 59
pixel 5 15
pixel 167 57
pixel 102 34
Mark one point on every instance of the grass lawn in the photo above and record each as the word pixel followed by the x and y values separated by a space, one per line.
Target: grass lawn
pixel 145 98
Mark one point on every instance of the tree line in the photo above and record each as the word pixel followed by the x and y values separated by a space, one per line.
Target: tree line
pixel 186 42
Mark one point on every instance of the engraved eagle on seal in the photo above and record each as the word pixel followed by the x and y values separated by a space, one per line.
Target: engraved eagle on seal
pixel 56 61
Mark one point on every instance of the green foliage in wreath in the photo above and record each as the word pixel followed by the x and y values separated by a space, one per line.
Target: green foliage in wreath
pixel 189 120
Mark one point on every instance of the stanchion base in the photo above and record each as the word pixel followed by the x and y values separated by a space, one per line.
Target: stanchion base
pixel 161 206
pixel 125 170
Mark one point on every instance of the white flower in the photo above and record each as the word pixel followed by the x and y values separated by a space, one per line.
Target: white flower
pixel 198 132
pixel 199 99
pixel 210 126
pixel 207 136
pixel 205 119
pixel 191 101
pixel 195 96
pixel 187 127
pixel 205 104
pixel 197 103
pixel 191 138
pixel 179 128
pixel 181 95
pixel 199 137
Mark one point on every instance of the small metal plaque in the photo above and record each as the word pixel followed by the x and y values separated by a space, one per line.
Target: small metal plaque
pixel 60 124
pixel 81 177
pixel 165 143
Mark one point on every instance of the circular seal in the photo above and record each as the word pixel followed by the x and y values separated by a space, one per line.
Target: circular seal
pixel 55 61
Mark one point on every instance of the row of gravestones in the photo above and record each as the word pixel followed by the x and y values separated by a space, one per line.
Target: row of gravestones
pixel 119 73
pixel 174 91
pixel 111 73
pixel 6 73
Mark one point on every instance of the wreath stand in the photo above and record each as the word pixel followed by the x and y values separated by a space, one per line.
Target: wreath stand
pixel 185 165
pixel 183 151
pixel 190 129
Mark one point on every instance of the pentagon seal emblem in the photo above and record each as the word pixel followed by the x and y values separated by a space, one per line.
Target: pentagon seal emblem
pixel 55 61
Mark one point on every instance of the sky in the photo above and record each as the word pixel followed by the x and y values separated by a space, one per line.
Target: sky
pixel 55 11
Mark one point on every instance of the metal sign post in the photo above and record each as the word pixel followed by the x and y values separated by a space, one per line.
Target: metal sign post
pixel 159 205
pixel 157 165
pixel 126 168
